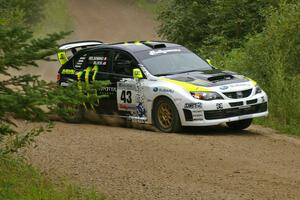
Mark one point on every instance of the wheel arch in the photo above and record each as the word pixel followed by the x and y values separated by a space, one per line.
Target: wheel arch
pixel 155 100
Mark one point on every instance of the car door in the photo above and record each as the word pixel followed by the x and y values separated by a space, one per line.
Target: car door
pixel 98 67
pixel 128 89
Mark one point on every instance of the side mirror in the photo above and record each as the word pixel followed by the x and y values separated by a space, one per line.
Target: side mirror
pixel 208 61
pixel 137 73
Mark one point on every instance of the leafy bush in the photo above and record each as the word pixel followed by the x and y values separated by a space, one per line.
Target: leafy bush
pixel 210 27
pixel 272 57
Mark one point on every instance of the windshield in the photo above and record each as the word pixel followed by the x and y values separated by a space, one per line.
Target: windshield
pixel 172 61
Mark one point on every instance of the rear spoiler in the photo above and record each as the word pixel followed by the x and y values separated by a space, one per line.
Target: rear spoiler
pixel 74 47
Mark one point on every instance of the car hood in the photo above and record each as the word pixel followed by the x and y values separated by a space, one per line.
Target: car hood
pixel 209 78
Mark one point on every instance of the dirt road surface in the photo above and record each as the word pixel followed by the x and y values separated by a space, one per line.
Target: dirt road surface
pixel 202 163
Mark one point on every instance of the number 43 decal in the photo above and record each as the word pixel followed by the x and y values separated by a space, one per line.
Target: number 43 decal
pixel 126 96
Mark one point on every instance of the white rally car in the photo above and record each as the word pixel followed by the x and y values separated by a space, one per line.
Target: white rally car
pixel 163 84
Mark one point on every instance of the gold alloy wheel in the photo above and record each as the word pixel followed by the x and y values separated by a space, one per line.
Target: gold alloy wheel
pixel 165 115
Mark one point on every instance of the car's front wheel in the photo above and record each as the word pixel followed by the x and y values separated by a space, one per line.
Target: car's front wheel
pixel 239 125
pixel 165 116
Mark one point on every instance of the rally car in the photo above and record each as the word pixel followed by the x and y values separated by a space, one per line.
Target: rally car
pixel 163 84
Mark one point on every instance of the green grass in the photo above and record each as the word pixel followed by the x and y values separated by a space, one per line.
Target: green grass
pixel 19 181
pixel 291 129
pixel 56 18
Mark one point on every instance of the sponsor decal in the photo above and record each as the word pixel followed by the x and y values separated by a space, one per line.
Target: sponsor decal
pixel 166 90
pixel 240 85
pixel 193 105
pixel 197 118
pixel 141 111
pixel 224 87
pixel 68 71
pixel 99 63
pixel 108 89
pixel 64 84
pixel 97 58
pixel 219 106
pixel 77 66
pixel 153 53
pixel 127 106
pixel 79 63
pixel 156 89
pixel 126 86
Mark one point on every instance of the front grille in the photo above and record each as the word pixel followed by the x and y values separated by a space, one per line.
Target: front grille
pixel 252 101
pixel 238 94
pixel 233 112
pixel 234 104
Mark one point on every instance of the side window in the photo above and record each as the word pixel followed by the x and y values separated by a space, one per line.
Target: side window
pixel 123 64
pixel 100 60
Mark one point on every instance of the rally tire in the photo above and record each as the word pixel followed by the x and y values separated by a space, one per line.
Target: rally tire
pixel 165 116
pixel 239 125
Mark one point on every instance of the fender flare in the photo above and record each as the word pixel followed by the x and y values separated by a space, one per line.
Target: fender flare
pixel 155 100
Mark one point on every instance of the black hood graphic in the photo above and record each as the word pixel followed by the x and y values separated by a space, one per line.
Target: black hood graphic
pixel 209 78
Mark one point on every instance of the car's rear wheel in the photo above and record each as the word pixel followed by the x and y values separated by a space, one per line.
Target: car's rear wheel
pixel 239 125
pixel 165 116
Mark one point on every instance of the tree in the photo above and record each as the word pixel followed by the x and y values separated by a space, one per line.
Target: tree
pixel 210 26
pixel 26 96
pixel 21 96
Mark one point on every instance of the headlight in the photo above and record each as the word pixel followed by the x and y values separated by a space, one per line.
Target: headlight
pixel 206 95
pixel 257 89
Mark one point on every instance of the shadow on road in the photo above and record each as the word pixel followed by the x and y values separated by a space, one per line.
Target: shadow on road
pixel 114 121
pixel 220 130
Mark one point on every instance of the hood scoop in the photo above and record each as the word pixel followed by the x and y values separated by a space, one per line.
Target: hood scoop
pixel 223 77
pixel 207 78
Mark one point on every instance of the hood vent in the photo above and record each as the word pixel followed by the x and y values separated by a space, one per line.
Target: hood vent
pixel 220 78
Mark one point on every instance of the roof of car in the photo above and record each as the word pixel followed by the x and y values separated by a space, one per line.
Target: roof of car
pixel 134 46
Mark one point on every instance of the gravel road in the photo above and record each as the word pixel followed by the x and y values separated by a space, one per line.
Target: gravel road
pixel 202 163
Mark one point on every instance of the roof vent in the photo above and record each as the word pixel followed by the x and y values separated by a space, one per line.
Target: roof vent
pixel 154 45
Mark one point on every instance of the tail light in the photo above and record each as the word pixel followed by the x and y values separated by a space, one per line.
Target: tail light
pixel 58 77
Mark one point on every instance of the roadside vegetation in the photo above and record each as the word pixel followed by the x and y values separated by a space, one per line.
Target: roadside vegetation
pixel 21 181
pixel 26 97
pixel 260 39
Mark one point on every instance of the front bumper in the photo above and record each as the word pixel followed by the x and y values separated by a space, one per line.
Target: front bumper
pixel 222 111
pixel 220 121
